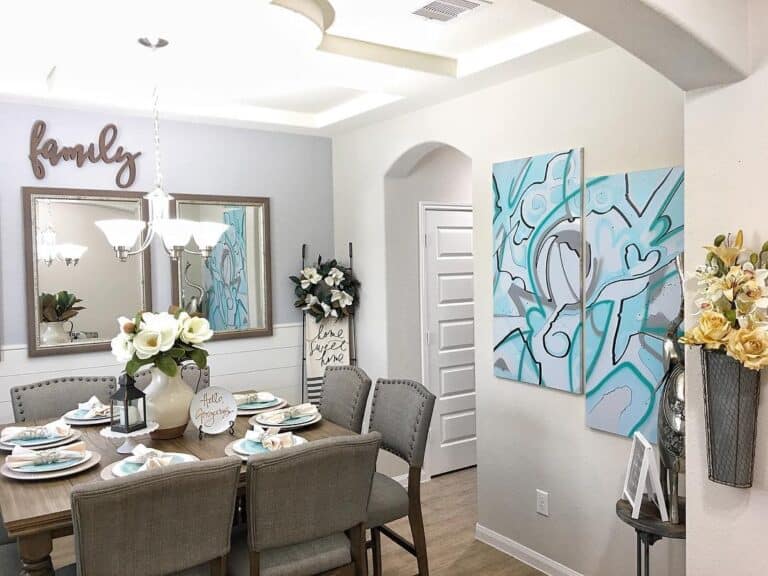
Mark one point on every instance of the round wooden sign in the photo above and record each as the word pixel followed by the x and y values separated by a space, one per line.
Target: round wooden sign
pixel 213 410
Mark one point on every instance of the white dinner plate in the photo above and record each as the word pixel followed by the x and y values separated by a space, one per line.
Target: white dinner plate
pixel 73 419
pixel 259 407
pixel 86 465
pixel 75 435
pixel 54 466
pixel 290 424
pixel 248 448
pixel 126 467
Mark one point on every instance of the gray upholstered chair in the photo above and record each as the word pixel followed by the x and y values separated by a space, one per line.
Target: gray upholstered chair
pixel 345 396
pixel 401 411
pixel 194 377
pixel 9 559
pixel 307 508
pixel 164 521
pixel 51 398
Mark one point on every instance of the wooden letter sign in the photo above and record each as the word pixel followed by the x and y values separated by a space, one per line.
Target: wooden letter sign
pixel 49 150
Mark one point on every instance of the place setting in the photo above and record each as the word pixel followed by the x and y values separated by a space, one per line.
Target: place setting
pixel 27 464
pixel 90 413
pixel 289 418
pixel 143 459
pixel 259 440
pixel 250 402
pixel 51 435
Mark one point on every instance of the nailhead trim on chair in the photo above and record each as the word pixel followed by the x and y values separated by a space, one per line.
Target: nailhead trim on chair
pixel 356 401
pixel 417 387
pixel 16 390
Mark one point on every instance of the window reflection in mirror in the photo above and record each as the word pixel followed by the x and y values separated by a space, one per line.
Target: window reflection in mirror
pixel 77 288
pixel 232 287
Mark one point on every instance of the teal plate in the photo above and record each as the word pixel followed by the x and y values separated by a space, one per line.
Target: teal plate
pixel 39 468
pixel 36 441
pixel 259 405
pixel 80 415
pixel 249 448
pixel 126 468
pixel 289 422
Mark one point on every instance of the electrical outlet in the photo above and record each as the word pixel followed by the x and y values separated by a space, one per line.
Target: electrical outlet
pixel 542 502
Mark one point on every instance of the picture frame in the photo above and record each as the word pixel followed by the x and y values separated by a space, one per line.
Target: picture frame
pixel 643 477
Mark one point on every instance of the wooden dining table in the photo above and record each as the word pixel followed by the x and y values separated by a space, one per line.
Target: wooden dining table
pixel 36 512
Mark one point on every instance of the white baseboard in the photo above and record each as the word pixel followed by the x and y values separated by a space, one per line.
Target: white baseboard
pixel 523 553
pixel 403 479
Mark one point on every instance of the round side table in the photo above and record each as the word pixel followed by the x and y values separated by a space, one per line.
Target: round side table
pixel 649 529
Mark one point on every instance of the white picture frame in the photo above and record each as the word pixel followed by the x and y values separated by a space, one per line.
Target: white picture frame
pixel 643 477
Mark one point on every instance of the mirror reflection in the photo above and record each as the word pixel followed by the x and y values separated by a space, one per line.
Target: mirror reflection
pixel 78 286
pixel 231 287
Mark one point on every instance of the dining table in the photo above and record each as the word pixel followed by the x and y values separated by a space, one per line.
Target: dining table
pixel 36 512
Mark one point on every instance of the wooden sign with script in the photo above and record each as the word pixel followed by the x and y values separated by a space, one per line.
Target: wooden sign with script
pixel 49 150
pixel 327 344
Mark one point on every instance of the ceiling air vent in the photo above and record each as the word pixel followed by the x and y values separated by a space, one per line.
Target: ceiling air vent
pixel 446 10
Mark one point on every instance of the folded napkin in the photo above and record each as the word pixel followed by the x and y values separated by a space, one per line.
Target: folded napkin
pixel 270 438
pixel 277 417
pixel 149 458
pixel 23 456
pixel 94 408
pixel 55 429
pixel 253 397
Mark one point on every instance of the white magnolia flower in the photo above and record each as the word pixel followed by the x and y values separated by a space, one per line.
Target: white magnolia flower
pixel 122 348
pixel 309 276
pixel 328 311
pixel 334 278
pixel 164 324
pixel 147 343
pixel 196 330
pixel 342 298
pixel 309 301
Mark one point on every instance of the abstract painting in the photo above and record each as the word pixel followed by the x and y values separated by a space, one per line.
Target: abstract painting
pixel 537 244
pixel 633 229
pixel 226 275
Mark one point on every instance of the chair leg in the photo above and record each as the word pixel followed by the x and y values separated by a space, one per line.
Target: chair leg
pixel 255 559
pixel 376 551
pixel 219 566
pixel 416 520
pixel 359 552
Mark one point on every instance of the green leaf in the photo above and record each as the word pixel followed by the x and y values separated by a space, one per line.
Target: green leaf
pixel 166 365
pixel 177 353
pixel 199 357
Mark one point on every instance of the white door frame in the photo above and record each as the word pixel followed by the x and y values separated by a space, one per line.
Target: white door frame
pixel 425 207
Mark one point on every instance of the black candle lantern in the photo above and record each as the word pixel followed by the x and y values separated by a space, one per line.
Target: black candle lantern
pixel 128 407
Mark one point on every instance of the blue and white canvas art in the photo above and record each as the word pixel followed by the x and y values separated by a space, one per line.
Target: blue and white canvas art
pixel 633 229
pixel 226 275
pixel 537 241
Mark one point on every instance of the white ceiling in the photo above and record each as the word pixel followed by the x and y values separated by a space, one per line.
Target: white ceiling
pixel 247 61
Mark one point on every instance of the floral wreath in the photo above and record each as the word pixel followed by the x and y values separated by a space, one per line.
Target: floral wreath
pixel 328 290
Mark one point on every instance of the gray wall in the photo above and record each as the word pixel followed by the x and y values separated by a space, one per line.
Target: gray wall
pixel 293 171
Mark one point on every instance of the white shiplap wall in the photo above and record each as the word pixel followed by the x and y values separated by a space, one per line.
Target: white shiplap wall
pixel 272 363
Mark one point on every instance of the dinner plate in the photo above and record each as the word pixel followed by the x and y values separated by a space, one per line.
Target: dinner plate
pixel 75 435
pixel 257 407
pixel 247 448
pixel 37 442
pixel 54 466
pixel 125 467
pixel 290 424
pixel 36 476
pixel 74 417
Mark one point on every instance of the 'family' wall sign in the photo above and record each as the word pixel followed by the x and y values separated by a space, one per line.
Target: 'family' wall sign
pixel 93 153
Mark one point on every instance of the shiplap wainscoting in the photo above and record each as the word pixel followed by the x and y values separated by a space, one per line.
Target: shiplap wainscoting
pixel 272 363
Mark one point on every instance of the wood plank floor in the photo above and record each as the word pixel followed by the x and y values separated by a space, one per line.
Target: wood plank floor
pixel 449 504
pixel 450 513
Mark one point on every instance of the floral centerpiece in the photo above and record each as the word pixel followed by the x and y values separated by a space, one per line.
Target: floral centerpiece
pixel 328 290
pixel 165 341
pixel 732 329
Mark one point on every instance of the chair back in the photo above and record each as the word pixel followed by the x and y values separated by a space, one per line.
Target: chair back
pixel 311 491
pixel 158 522
pixel 192 375
pixel 402 412
pixel 345 395
pixel 52 398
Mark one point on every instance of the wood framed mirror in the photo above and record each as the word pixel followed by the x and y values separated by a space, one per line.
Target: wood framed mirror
pixel 233 287
pixel 76 287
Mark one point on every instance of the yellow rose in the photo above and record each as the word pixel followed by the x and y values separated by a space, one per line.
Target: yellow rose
pixel 750 347
pixel 712 331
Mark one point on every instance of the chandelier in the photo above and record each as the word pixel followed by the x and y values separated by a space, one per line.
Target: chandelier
pixel 50 251
pixel 176 233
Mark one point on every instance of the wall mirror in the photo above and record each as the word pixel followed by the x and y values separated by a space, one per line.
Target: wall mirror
pixel 76 288
pixel 232 288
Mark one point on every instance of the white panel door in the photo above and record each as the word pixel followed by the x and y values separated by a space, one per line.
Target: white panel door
pixel 449 343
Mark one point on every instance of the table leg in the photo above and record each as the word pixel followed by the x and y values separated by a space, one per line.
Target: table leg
pixel 638 555
pixel 35 552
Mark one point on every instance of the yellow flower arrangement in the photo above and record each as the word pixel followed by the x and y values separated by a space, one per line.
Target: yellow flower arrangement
pixel 733 302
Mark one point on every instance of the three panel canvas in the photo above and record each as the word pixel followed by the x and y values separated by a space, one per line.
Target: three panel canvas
pixel 604 254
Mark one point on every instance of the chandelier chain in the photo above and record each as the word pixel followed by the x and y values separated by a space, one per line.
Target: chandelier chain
pixel 156 128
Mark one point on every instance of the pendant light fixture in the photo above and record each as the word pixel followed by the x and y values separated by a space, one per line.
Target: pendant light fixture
pixel 123 234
